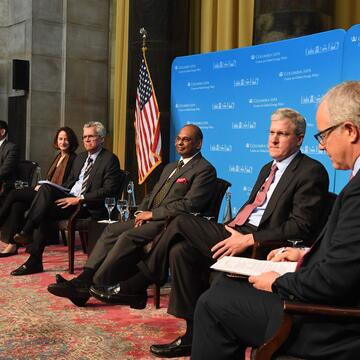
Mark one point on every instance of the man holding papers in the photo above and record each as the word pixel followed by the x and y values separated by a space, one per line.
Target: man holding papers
pixel 234 314
pixel 95 174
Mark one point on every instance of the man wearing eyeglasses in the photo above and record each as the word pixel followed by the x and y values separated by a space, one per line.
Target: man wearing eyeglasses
pixel 328 274
pixel 95 174
pixel 288 201
pixel 185 186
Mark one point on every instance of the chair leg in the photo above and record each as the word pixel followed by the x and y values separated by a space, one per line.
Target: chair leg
pixel 63 236
pixel 71 250
pixel 84 240
pixel 157 296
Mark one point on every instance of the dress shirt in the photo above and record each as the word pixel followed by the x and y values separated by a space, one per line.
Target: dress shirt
pixel 2 141
pixel 356 167
pixel 256 215
pixel 76 189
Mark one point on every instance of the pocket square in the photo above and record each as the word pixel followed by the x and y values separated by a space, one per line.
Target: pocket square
pixel 182 180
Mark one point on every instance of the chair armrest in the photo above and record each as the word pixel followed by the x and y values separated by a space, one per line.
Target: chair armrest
pixel 315 309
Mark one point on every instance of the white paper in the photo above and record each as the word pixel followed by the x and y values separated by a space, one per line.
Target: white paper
pixel 54 185
pixel 107 221
pixel 248 267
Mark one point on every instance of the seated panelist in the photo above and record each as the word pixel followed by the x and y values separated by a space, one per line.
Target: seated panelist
pixel 18 201
pixel 95 175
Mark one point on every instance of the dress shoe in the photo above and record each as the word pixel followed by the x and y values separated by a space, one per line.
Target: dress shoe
pixel 175 349
pixel 28 269
pixel 59 279
pixel 114 295
pixel 10 250
pixel 22 238
pixel 74 290
pixel 7 254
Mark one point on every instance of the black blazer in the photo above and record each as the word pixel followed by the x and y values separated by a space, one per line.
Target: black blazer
pixel 190 190
pixel 330 274
pixel 296 207
pixel 9 156
pixel 104 181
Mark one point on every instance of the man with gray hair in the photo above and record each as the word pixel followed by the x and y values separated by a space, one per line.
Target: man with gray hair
pixel 328 274
pixel 95 175
pixel 288 201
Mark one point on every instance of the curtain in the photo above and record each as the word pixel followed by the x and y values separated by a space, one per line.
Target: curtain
pixel 120 78
pixel 220 24
pixel 347 13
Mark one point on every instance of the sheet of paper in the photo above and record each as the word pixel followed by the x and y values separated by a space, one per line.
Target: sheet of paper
pixel 246 266
pixel 107 221
pixel 55 185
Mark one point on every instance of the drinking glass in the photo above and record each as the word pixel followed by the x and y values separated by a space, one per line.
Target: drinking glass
pixel 122 206
pixel 109 204
pixel 295 242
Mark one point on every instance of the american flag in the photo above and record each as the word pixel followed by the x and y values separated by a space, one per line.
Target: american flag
pixel 147 125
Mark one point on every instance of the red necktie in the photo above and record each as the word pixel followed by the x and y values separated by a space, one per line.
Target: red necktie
pixel 260 198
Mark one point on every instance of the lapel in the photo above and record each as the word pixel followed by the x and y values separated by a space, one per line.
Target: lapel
pixel 187 167
pixel 286 179
pixel 95 168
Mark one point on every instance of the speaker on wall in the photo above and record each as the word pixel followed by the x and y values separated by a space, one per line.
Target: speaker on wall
pixel 20 74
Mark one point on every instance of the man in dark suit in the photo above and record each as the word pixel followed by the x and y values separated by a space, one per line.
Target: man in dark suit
pixel 180 189
pixel 235 314
pixel 9 156
pixel 95 174
pixel 292 208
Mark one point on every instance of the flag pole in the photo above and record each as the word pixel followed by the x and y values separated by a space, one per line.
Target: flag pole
pixel 144 34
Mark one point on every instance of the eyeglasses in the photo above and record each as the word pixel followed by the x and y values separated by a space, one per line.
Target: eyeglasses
pixel 322 135
pixel 90 137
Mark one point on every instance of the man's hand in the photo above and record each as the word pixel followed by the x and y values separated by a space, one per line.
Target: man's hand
pixel 264 281
pixel 235 244
pixel 286 254
pixel 142 217
pixel 37 187
pixel 66 202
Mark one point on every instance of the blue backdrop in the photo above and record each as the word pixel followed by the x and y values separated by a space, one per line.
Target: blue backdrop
pixel 231 94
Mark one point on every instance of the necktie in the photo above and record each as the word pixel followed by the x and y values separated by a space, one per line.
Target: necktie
pixel 159 197
pixel 86 175
pixel 260 198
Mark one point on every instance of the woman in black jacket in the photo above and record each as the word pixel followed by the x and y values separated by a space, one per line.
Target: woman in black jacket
pixel 18 201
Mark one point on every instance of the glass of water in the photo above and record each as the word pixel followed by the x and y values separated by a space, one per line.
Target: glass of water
pixel 122 206
pixel 109 204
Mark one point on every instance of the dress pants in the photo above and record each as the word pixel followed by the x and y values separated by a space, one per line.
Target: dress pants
pixel 231 316
pixel 43 212
pixel 185 245
pixel 12 212
pixel 119 249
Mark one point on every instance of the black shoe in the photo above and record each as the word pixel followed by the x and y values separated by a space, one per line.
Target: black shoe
pixel 74 290
pixel 59 279
pixel 23 238
pixel 114 295
pixel 175 349
pixel 28 269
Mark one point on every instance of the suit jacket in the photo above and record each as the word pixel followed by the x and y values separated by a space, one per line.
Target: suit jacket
pixel 190 190
pixel 297 205
pixel 104 181
pixel 330 274
pixel 9 156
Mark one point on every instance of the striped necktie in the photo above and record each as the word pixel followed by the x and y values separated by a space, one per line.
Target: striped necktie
pixel 159 197
pixel 86 175
pixel 260 198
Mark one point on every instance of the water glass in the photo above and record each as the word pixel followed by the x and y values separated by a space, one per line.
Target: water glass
pixel 122 206
pixel 109 204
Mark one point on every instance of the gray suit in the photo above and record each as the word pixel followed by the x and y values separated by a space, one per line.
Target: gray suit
pixel 120 246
